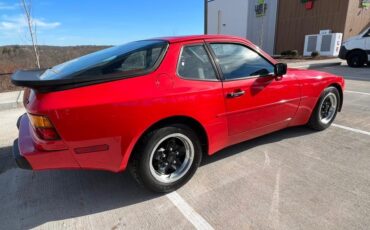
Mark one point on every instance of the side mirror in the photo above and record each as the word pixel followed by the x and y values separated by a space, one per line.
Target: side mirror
pixel 281 69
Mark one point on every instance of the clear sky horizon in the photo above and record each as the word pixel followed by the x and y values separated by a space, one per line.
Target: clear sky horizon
pixel 95 22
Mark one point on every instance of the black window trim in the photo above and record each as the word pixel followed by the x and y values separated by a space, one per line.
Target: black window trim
pixel 213 63
pixel 208 44
pixel 367 34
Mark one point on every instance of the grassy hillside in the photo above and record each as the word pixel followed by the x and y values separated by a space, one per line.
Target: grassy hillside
pixel 22 57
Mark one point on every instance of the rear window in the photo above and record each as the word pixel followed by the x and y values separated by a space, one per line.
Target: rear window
pixel 129 59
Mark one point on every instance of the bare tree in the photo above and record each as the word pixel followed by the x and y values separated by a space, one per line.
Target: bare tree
pixel 26 5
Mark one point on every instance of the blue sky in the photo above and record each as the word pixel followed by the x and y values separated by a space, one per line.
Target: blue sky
pixel 98 22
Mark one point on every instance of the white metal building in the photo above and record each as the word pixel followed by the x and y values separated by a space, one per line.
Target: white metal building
pixel 244 18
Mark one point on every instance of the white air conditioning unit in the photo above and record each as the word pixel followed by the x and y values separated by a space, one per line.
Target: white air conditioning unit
pixel 326 44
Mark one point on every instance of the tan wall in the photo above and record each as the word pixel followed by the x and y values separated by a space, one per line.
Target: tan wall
pixel 294 21
pixel 357 19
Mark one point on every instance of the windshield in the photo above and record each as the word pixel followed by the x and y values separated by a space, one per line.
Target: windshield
pixel 128 58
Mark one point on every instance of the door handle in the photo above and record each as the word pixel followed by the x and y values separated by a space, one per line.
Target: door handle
pixel 238 93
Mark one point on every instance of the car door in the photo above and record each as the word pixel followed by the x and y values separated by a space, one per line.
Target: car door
pixel 200 89
pixel 257 101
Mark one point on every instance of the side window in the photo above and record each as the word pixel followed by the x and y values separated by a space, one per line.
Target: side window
pixel 137 61
pixel 238 61
pixel 195 63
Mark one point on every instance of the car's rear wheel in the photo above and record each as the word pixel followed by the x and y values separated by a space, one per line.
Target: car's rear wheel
pixel 166 158
pixel 326 109
pixel 356 59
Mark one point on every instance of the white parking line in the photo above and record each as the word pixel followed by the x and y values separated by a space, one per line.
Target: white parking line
pixel 351 129
pixel 349 91
pixel 197 220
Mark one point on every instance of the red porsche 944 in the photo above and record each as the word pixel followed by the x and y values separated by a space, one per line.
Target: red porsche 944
pixel 155 106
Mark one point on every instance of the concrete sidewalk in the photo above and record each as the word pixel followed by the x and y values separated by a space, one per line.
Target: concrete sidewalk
pixel 10 100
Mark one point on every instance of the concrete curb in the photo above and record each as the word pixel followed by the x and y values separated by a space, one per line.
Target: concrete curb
pixel 311 66
pixel 10 105
pixel 314 65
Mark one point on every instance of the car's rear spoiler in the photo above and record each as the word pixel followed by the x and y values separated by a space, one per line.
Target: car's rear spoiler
pixel 32 79
pixel 29 78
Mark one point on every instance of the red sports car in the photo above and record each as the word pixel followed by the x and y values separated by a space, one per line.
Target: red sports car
pixel 155 106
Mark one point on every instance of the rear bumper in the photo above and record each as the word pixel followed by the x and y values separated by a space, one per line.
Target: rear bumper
pixel 19 159
pixel 27 156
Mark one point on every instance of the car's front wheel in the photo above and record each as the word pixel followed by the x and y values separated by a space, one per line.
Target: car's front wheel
pixel 166 158
pixel 326 109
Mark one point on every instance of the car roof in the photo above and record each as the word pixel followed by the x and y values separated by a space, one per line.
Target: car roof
pixel 176 39
pixel 220 37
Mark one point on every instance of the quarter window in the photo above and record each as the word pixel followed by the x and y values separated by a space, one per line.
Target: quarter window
pixel 237 61
pixel 195 64
pixel 137 61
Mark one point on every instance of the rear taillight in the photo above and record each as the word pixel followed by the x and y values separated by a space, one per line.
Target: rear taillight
pixel 43 127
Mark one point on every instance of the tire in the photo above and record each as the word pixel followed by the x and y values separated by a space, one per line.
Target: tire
pixel 163 150
pixel 356 59
pixel 325 110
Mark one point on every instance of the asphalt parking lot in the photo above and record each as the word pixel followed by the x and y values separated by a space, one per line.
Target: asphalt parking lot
pixel 292 179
